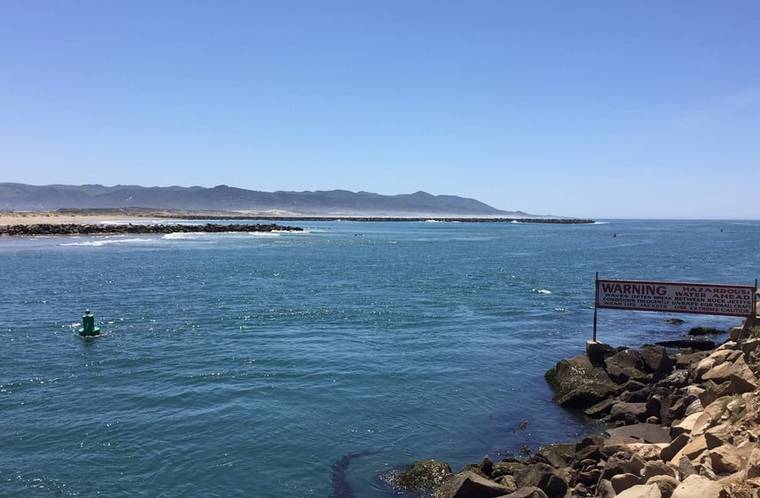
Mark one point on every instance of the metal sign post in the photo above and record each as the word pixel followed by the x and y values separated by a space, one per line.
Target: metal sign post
pixel 596 300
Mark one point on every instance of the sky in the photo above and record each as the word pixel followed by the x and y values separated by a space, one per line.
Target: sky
pixel 639 109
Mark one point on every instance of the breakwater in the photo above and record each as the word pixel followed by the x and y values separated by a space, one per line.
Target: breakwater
pixel 100 229
pixel 681 422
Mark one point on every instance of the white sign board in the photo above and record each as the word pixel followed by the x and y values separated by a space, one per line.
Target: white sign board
pixel 706 299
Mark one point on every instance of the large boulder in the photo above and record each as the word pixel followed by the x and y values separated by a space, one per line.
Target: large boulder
pixel 742 379
pixel 686 426
pixel 719 435
pixel 598 410
pixel 697 486
pixel 657 468
pixel 468 484
pixel 626 365
pixel 656 361
pixel 718 373
pixel 666 484
pixel 629 412
pixel 507 468
pixel 753 465
pixel 557 455
pixel 621 482
pixel 692 449
pixel 641 491
pixel 674 447
pixel 544 477
pixel 424 475
pixel 726 459
pixel 678 378
pixel 646 433
pixel 578 384
pixel 620 464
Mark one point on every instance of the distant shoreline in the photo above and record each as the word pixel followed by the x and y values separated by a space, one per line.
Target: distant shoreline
pixel 95 216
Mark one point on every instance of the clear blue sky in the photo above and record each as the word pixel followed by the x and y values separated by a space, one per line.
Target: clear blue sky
pixel 604 109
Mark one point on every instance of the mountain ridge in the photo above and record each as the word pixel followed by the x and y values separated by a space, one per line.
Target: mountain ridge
pixel 20 196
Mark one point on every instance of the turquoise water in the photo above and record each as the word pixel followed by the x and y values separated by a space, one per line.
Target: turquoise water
pixel 247 365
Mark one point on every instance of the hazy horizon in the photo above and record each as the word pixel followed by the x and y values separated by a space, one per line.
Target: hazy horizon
pixel 637 111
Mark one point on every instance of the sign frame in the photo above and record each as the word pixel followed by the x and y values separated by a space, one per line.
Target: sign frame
pixel 597 305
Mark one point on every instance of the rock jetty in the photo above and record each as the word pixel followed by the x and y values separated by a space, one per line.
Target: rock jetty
pixel 99 229
pixel 682 422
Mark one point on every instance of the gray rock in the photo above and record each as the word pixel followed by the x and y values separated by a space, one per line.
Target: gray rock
pixel 507 482
pixel 578 384
pixel 600 409
pixel 621 482
pixel 558 455
pixel 544 477
pixel 641 491
pixel 753 464
pixel 645 433
pixel 626 365
pixel 507 468
pixel 686 468
pixel 666 484
pixel 726 459
pixel 674 447
pixel 697 486
pixel 742 379
pixel 628 411
pixel 657 468
pixel 678 378
pixel 424 475
pixel 471 485
pixel 656 361
pixel 694 407
pixel 718 435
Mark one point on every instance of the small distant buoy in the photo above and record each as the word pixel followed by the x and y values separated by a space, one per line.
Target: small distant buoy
pixel 721 230
pixel 614 235
pixel 88 325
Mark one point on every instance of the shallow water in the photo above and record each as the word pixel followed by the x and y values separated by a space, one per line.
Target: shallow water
pixel 248 364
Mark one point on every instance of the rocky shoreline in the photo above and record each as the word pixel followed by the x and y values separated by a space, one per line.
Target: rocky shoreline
pixel 100 229
pixel 682 422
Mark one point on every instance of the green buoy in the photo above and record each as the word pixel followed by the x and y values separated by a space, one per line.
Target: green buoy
pixel 88 325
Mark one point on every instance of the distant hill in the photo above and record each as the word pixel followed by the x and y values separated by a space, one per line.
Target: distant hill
pixel 19 196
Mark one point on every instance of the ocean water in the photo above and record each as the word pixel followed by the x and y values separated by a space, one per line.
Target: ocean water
pixel 248 365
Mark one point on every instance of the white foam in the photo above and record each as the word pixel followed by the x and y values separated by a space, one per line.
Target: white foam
pixel 99 243
pixel 207 235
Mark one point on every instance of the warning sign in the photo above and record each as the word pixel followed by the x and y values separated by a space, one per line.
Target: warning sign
pixel 707 299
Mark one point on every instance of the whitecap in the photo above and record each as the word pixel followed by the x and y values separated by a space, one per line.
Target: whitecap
pixel 99 243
